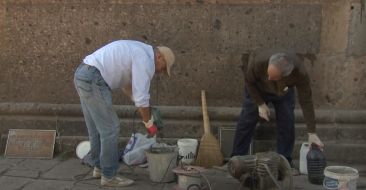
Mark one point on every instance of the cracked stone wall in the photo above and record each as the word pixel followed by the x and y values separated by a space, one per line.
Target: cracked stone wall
pixel 42 42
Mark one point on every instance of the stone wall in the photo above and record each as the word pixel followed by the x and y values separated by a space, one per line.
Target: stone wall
pixel 42 42
pixel 339 75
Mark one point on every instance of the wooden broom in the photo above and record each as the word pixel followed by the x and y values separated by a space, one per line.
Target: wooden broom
pixel 209 153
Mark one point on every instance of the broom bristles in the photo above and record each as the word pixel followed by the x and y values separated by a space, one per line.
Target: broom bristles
pixel 209 153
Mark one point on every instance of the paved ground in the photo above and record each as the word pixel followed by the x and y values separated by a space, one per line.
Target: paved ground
pixel 69 174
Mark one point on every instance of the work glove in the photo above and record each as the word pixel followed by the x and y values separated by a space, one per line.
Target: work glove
pixel 151 127
pixel 313 138
pixel 263 111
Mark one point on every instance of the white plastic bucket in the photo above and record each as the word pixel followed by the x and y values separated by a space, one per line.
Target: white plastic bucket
pixel 340 178
pixel 187 149
pixel 303 163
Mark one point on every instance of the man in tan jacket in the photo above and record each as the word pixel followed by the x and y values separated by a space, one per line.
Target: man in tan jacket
pixel 271 78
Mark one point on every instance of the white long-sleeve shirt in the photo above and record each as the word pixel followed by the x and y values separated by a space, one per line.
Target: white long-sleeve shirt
pixel 126 62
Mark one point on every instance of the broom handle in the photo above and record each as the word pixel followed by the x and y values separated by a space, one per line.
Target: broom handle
pixel 206 121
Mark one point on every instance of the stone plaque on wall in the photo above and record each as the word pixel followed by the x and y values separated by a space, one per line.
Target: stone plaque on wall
pixel 28 143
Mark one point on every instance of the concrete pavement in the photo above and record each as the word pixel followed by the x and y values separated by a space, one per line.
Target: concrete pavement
pixel 63 173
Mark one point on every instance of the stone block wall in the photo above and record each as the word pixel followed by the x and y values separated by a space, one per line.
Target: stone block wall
pixel 43 41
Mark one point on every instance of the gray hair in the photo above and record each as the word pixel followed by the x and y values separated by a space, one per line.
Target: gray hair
pixel 282 62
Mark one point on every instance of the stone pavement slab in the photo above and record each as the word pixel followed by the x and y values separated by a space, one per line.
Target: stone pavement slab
pixel 70 174
pixel 22 173
pixel 36 164
pixel 66 170
pixel 138 174
pixel 49 184
pixel 301 182
pixel 13 183
pixel 81 186
pixel 5 164
pixel 218 179
pixel 3 168
pixel 10 161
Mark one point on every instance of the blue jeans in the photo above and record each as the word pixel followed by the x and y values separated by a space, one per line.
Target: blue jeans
pixel 100 118
pixel 284 107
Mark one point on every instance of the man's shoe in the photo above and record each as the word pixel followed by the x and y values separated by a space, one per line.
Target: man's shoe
pixel 97 173
pixel 116 182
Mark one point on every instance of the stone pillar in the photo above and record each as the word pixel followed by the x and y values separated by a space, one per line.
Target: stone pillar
pixel 338 76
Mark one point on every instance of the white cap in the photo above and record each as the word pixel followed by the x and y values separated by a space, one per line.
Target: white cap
pixel 168 56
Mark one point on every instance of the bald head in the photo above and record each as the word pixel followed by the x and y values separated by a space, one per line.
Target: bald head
pixel 273 72
pixel 279 66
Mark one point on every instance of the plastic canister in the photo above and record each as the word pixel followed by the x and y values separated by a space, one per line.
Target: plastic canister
pixel 303 163
pixel 340 178
pixel 316 164
pixel 187 149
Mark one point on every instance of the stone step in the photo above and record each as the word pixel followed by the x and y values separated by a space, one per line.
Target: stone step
pixel 68 144
pixel 335 152
pixel 342 131
pixel 174 112
pixel 75 126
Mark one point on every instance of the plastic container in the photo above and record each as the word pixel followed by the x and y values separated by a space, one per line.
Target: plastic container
pixel 187 149
pixel 340 178
pixel 315 164
pixel 161 162
pixel 303 163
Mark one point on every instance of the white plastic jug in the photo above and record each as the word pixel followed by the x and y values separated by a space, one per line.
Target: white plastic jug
pixel 303 152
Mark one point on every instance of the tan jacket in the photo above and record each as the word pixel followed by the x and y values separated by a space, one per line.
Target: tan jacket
pixel 257 83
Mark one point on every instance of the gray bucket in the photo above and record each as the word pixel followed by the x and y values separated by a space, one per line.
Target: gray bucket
pixel 161 162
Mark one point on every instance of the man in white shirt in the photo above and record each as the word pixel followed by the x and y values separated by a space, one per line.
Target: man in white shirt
pixel 127 65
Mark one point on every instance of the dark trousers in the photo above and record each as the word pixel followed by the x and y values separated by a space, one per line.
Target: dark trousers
pixel 284 108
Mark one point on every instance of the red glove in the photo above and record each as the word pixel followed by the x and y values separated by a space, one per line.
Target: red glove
pixel 152 130
pixel 151 127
